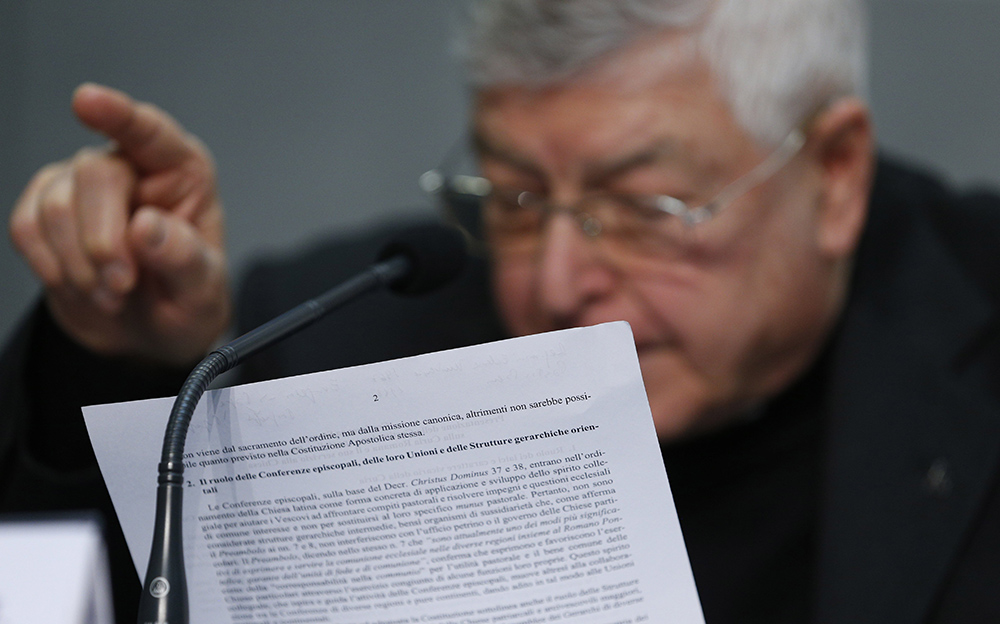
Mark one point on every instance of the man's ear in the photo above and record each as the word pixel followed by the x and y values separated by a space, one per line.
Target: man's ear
pixel 843 144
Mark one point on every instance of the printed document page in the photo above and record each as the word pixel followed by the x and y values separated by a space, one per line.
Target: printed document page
pixel 512 482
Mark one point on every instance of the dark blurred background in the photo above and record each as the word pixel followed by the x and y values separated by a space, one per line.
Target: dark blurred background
pixel 322 114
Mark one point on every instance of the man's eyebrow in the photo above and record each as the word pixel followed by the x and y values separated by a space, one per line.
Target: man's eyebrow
pixel 594 174
pixel 484 147
pixel 647 155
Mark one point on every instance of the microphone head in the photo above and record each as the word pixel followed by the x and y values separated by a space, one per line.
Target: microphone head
pixel 436 253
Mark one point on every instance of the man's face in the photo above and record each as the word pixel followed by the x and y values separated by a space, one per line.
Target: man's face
pixel 724 317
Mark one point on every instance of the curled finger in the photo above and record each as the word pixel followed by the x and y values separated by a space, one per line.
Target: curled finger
pixel 26 228
pixel 59 227
pixel 103 184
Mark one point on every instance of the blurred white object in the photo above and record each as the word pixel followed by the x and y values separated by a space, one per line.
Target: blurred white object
pixel 53 570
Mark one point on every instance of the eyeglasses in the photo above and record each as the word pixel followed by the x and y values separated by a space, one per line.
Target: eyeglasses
pixel 511 221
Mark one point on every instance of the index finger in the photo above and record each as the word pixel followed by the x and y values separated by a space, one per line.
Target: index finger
pixel 146 135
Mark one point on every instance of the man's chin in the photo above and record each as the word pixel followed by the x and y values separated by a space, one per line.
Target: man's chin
pixel 682 402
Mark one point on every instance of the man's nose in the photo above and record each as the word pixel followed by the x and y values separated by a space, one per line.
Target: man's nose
pixel 570 267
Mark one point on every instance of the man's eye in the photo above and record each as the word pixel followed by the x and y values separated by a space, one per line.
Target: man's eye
pixel 505 201
pixel 640 206
pixel 512 198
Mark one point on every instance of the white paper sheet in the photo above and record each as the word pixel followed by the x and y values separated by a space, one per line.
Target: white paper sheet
pixel 53 571
pixel 518 481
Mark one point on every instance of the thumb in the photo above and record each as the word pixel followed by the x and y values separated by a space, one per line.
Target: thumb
pixel 187 267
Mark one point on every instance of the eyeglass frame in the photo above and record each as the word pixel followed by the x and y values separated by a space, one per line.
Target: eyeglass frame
pixel 437 183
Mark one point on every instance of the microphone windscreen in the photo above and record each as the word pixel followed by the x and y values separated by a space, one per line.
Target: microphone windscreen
pixel 437 256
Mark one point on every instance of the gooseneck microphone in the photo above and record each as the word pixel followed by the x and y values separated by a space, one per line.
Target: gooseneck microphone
pixel 419 260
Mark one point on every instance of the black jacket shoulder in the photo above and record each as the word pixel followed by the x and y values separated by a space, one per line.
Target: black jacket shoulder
pixel 966 222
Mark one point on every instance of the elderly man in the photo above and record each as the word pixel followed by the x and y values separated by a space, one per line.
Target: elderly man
pixel 816 328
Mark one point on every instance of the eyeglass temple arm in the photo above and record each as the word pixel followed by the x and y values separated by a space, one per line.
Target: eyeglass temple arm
pixel 758 175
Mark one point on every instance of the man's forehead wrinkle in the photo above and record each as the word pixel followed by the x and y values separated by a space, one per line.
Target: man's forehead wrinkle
pixel 593 131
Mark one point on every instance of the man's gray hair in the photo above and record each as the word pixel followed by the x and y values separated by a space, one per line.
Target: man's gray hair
pixel 776 61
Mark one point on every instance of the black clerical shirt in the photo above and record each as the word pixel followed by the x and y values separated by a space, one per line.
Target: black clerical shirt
pixel 748 501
